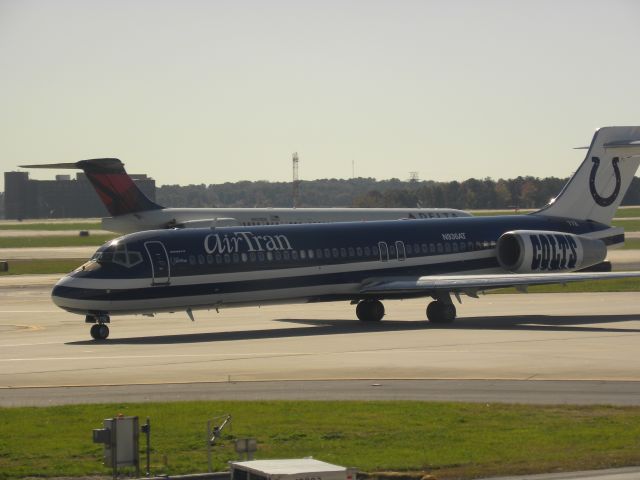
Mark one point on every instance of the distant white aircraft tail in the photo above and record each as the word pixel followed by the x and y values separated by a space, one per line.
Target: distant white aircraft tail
pixel 598 186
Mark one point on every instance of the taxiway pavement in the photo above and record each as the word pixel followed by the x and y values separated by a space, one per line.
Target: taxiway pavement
pixel 590 338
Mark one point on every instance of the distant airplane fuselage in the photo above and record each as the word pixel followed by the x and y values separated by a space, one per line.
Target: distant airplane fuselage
pixel 212 217
pixel 132 211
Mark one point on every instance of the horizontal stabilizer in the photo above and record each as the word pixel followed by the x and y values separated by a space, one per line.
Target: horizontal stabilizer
pixel 94 165
pixel 616 144
pixel 73 166
pixel 623 143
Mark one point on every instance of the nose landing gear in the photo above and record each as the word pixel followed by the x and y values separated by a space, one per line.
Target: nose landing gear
pixel 99 329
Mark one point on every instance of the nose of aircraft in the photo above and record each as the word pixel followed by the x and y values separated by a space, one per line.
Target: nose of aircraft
pixel 60 293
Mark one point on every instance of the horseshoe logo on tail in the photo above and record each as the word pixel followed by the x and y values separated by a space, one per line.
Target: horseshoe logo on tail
pixel 604 201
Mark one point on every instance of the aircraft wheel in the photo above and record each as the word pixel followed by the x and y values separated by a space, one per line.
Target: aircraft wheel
pixel 440 312
pixel 370 310
pixel 94 331
pixel 103 331
pixel 99 331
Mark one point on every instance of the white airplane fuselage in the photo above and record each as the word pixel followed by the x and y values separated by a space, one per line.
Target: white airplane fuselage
pixel 207 217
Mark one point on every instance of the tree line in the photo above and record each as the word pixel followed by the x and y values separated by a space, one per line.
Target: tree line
pixel 520 192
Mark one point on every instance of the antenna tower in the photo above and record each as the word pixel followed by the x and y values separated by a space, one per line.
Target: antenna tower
pixel 296 180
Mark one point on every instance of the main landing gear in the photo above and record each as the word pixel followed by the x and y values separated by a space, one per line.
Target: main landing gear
pixel 441 310
pixel 370 310
pixel 99 329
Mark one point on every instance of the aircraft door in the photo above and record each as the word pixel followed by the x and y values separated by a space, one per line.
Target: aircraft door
pixel 160 268
pixel 384 251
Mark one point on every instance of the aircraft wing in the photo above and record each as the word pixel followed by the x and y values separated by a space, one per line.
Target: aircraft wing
pixel 472 284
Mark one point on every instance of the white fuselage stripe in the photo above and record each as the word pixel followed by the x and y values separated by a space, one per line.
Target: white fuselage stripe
pixel 131 283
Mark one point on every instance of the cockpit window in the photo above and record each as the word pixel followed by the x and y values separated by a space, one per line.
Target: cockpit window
pixel 119 254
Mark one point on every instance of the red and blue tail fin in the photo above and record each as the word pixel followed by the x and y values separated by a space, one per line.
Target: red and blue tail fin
pixel 117 191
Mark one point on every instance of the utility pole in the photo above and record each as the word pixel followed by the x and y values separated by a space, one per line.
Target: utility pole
pixel 296 180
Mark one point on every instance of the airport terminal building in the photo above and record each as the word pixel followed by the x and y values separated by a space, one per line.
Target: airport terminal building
pixel 64 197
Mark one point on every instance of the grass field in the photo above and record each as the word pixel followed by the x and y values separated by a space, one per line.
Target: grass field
pixel 628 212
pixel 625 212
pixel 450 440
pixel 26 267
pixel 51 226
pixel 631 244
pixel 45 241
pixel 628 225
pixel 618 285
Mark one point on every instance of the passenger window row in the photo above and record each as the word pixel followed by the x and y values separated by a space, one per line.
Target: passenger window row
pixel 421 249
pixel 392 251
pixel 420 216
pixel 253 224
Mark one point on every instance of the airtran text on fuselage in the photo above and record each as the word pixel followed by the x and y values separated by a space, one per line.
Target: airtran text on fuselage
pixel 245 242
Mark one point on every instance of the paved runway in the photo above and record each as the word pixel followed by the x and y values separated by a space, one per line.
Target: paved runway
pixel 577 337
pixel 538 392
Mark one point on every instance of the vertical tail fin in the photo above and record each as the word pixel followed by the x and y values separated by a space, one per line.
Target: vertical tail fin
pixel 598 186
pixel 118 192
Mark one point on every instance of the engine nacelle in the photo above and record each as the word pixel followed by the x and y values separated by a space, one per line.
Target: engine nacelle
pixel 534 251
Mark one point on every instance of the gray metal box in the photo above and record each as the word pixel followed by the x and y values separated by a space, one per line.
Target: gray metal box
pixel 123 449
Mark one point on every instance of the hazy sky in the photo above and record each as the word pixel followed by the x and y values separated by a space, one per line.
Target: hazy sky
pixel 210 91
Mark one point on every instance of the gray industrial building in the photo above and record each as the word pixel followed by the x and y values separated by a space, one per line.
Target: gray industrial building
pixel 64 197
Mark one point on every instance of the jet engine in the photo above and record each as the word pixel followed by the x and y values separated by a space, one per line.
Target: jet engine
pixel 534 251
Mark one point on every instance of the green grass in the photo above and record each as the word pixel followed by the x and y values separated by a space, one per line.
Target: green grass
pixel 617 285
pixel 628 212
pixel 46 241
pixel 631 244
pixel 450 440
pixel 621 213
pixel 25 267
pixel 51 226
pixel 628 225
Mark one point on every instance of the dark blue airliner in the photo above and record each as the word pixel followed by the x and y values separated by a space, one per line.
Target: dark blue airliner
pixel 363 262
